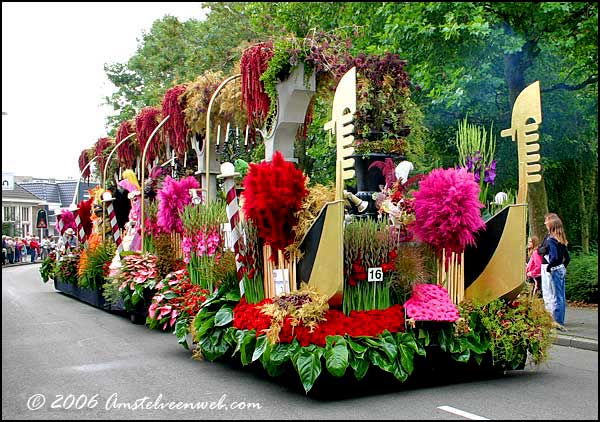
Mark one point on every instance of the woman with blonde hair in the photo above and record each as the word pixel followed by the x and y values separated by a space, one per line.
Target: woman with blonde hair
pixel 558 259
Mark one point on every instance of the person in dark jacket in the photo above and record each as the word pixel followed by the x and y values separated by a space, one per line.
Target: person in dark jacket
pixel 558 259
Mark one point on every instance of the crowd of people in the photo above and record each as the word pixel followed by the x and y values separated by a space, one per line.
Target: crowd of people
pixel 30 249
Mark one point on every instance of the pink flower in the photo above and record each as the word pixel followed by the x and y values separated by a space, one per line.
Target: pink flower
pixel 152 310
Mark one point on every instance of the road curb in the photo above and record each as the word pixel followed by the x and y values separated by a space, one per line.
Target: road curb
pixel 577 342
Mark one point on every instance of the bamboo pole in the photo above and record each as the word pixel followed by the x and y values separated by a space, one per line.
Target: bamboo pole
pixel 462 276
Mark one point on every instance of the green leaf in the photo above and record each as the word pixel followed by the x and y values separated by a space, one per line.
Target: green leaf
pixel 224 316
pixel 388 345
pixel 261 344
pixel 407 356
pixel 213 346
pixel 462 356
pixel 359 365
pixel 181 331
pixel 204 328
pixel 247 347
pixel 380 359
pixel 357 348
pixel 336 355
pixel 308 365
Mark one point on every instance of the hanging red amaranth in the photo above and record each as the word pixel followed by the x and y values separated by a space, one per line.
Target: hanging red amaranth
pixel 126 152
pixel 145 123
pixel 99 150
pixel 253 64
pixel 175 127
pixel 273 195
pixel 84 161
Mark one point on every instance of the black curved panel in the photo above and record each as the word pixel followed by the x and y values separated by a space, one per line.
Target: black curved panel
pixel 486 242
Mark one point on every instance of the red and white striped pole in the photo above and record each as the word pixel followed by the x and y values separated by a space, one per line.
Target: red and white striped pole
pixel 233 214
pixel 108 198
pixel 80 231
pixel 59 222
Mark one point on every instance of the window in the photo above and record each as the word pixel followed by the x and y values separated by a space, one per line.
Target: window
pixel 24 214
pixel 9 213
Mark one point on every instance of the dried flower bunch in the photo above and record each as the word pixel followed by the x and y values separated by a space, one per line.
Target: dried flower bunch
pixel 305 306
pixel 197 97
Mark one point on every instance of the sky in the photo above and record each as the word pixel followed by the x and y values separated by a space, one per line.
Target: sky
pixel 53 80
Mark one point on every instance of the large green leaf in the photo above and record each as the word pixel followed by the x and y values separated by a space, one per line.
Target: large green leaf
pixel 213 346
pixel 358 349
pixel 247 347
pixel 261 345
pixel 336 355
pixel 181 331
pixel 407 356
pixel 224 316
pixel 307 362
pixel 388 345
pixel 359 365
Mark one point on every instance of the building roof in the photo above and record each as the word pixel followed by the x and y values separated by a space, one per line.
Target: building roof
pixel 19 194
pixel 59 192
pixel 46 191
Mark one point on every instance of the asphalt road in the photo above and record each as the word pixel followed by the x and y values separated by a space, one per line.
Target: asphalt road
pixel 69 360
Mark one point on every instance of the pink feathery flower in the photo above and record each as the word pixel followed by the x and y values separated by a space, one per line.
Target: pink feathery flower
pixel 68 219
pixel 447 209
pixel 173 197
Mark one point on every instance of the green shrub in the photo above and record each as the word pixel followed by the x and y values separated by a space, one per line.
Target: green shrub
pixel 582 278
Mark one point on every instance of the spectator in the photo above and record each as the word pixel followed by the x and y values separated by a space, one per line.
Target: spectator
pixel 534 266
pixel 3 249
pixel 45 246
pixel 33 248
pixel 10 250
pixel 18 249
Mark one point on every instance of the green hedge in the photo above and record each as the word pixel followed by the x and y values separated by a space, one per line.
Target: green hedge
pixel 582 278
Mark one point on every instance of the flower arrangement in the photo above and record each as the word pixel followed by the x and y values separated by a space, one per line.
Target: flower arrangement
pixel 175 299
pixel 145 122
pixel 126 152
pixel 476 154
pixel 94 269
pixel 371 323
pixel 85 215
pixel 273 196
pixel 47 268
pixel 447 209
pixel 174 128
pixel 136 274
pixel 68 219
pixel 202 242
pixel 305 306
pixel 512 329
pixel 368 244
pixel 430 302
pixel 382 120
pixel 67 266
pixel 252 263
pixel 172 198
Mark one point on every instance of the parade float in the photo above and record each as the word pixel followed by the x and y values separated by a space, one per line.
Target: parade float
pixel 254 264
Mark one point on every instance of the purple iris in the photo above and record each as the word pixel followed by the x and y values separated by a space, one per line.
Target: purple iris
pixel 490 173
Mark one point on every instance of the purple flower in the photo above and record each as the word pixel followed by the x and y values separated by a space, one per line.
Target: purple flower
pixel 490 173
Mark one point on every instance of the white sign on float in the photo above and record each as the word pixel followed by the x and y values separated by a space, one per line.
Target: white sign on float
pixel 8 181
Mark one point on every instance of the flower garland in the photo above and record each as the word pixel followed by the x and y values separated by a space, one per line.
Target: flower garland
pixel 175 128
pixel 126 152
pixel 359 323
pixel 273 196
